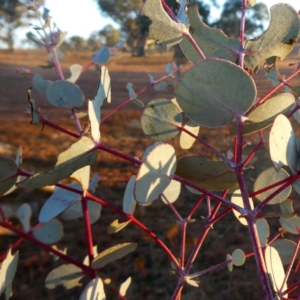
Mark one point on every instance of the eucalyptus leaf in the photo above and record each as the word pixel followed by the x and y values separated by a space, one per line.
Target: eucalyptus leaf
pixel 205 92
pixel 237 199
pixel 115 226
pixel 275 269
pixel 124 286
pixel 24 213
pixel 263 231
pixel 128 200
pixel 208 174
pixel 238 257
pixel 269 177
pixel 275 42
pixel 40 83
pixel 60 200
pixel 102 56
pixel 213 42
pixel 67 275
pixel 63 93
pixel 93 291
pixel 76 157
pixel 7 272
pixel 263 115
pixel 74 211
pixel 285 249
pixel 50 232
pixel 282 144
pixel 163 29
pixel 159 118
pixel 154 172
pixel 186 141
pixel 112 254
pixel 8 168
pixel 75 72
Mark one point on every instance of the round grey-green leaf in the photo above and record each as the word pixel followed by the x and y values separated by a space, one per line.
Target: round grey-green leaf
pixel 214 91
pixel 158 118
pixel 63 93
pixel 269 177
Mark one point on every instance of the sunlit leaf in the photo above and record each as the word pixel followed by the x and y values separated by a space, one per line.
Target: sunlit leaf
pixel 63 93
pixel 152 178
pixel 67 275
pixel 213 42
pixel 269 177
pixel 263 231
pixel 205 92
pixel 115 226
pixel 208 174
pixel 282 144
pixel 112 254
pixel 61 38
pixel 83 177
pixel 75 211
pixel 86 260
pixel 24 214
pixel 94 106
pixel 128 200
pixel 74 158
pixel 7 273
pixel 275 42
pixel 186 141
pixel 163 29
pixel 93 291
pixel 275 268
pixel 60 200
pixel 40 83
pixel 159 118
pixel 286 249
pixel 172 192
pixel 124 286
pixel 271 71
pixel 238 257
pixel 192 282
pixel 237 199
pixel 50 232
pixel 75 72
pixel 264 115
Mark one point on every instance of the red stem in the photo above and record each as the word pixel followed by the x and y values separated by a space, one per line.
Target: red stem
pixel 138 224
pixel 220 155
pixel 48 248
pixel 263 99
pixel 88 233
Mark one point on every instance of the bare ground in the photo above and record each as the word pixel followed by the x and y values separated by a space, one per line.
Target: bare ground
pixel 148 265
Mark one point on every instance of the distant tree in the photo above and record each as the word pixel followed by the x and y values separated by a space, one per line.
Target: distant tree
pixel 95 41
pixel 230 18
pixel 110 34
pixel 13 14
pixel 126 13
pixel 77 43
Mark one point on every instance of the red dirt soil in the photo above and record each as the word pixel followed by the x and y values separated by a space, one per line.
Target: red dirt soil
pixel 148 265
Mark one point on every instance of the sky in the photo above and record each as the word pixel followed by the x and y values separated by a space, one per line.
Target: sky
pixel 81 17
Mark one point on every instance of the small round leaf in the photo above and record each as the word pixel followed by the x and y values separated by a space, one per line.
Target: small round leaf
pixel 158 118
pixel 63 93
